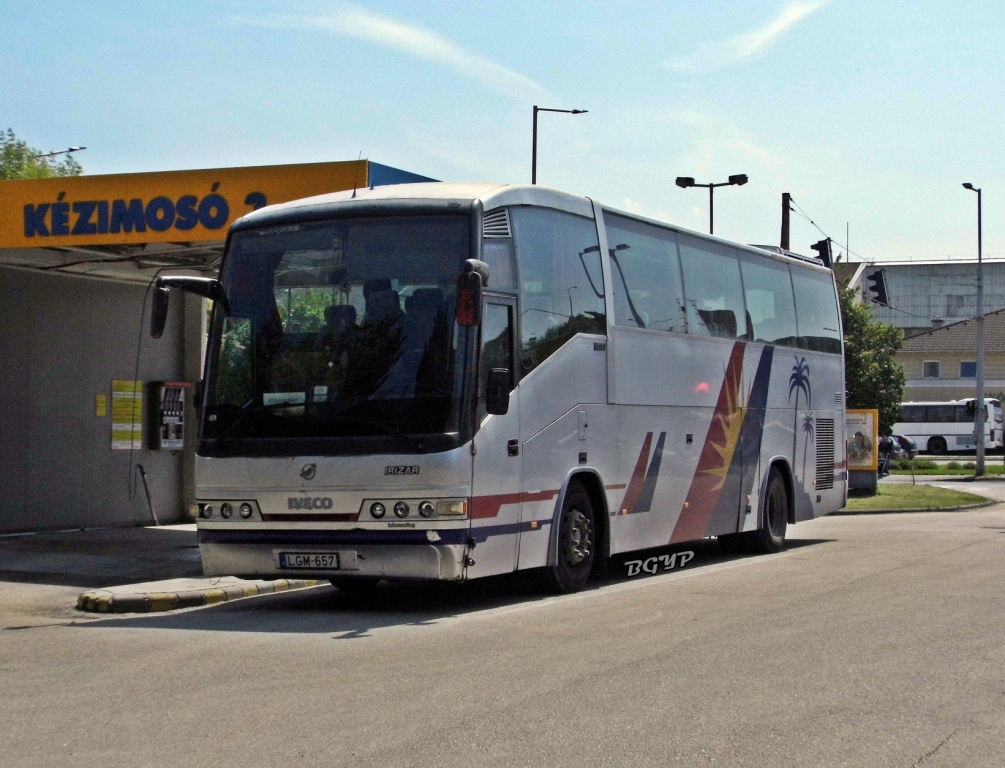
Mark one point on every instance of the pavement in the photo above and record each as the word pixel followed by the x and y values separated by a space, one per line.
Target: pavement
pixel 157 568
pixel 154 568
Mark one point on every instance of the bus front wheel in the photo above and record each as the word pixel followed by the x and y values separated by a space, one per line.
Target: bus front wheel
pixel 937 445
pixel 577 534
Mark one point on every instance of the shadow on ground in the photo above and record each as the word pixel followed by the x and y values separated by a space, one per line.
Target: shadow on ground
pixel 348 615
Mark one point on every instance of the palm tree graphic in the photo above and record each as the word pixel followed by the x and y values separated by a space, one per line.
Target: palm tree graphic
pixel 799 381
pixel 808 432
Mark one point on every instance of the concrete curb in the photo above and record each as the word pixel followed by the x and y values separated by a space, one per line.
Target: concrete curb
pixel 126 601
pixel 961 508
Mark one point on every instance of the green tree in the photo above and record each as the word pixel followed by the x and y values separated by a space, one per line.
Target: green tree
pixel 873 377
pixel 19 161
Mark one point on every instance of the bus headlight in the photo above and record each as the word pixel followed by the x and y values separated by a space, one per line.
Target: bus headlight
pixel 401 509
pixel 377 510
pixel 226 510
pixel 206 511
pixel 426 509
pixel 245 510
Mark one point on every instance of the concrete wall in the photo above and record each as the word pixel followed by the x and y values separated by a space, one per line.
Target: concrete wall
pixel 62 342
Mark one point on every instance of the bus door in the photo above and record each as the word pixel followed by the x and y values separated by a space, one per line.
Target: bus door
pixel 498 461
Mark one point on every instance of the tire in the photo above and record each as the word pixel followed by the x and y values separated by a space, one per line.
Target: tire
pixel 770 537
pixel 577 545
pixel 937 446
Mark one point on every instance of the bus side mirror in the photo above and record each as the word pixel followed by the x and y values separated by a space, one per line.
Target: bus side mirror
pixel 497 391
pixel 469 292
pixel 159 310
pixel 207 287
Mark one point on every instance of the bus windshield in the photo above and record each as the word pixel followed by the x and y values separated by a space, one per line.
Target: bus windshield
pixel 339 328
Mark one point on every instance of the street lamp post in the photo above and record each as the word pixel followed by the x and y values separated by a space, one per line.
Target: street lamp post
pixel 979 409
pixel 533 157
pixel 58 152
pixel 738 180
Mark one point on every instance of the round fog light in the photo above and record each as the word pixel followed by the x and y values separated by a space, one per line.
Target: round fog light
pixel 245 510
pixel 226 510
pixel 426 509
pixel 377 510
pixel 401 509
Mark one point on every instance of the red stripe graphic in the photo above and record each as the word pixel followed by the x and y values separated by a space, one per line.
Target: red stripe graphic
pixel 489 506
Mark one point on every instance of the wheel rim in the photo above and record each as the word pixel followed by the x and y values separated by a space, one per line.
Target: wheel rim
pixel 579 541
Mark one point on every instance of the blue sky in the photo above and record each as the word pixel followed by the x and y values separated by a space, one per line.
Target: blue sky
pixel 871 114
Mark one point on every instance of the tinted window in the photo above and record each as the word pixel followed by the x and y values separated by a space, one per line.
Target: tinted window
pixel 561 283
pixel 339 328
pixel 712 289
pixel 771 309
pixel 496 347
pixel 646 275
pixel 816 311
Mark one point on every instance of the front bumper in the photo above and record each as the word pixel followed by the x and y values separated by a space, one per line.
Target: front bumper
pixel 407 554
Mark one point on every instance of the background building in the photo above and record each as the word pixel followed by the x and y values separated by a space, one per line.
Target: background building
pixel 941 363
pixel 924 294
pixel 77 255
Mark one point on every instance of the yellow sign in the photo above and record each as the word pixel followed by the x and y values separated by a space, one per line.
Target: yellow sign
pixel 101 405
pixel 163 207
pixel 863 442
pixel 127 414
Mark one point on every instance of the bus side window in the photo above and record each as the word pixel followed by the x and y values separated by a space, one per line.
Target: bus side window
pixel 713 289
pixel 561 283
pixel 771 310
pixel 817 315
pixel 646 275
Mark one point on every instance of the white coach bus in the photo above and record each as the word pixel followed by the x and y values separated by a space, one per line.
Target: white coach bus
pixel 447 381
pixel 943 426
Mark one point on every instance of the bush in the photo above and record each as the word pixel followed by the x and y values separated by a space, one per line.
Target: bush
pixel 954 465
pixel 970 465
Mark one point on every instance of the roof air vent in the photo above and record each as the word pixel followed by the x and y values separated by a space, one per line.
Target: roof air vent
pixel 496 223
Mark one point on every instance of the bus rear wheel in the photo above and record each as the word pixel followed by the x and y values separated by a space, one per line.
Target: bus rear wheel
pixel 937 445
pixel 770 537
pixel 577 544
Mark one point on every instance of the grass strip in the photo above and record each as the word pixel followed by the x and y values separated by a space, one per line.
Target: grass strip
pixel 902 496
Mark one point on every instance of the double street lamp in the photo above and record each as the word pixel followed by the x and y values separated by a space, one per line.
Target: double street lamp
pixel 979 410
pixel 737 180
pixel 533 160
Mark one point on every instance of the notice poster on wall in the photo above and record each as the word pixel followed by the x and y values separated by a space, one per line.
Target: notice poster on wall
pixel 862 425
pixel 127 415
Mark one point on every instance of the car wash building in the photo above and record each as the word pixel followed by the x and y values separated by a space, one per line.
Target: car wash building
pixel 98 426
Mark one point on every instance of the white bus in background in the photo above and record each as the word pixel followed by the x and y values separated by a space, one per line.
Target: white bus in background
pixel 939 427
pixel 444 381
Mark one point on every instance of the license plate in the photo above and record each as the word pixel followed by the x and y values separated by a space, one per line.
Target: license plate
pixel 323 560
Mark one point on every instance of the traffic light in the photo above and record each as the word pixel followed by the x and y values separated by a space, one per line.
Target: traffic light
pixel 877 287
pixel 823 249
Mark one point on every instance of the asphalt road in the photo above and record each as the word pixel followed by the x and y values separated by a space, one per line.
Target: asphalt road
pixel 872 641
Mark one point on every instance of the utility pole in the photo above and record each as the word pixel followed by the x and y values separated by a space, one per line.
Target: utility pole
pixel 786 207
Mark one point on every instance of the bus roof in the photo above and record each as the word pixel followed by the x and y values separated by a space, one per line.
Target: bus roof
pixel 499 195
